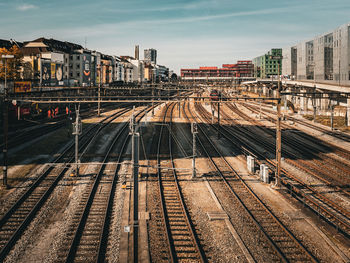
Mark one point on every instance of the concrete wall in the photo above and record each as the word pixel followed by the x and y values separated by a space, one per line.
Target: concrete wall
pixel 341 55
pixel 289 61
pixel 301 61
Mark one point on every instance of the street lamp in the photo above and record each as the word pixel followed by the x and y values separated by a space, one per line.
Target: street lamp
pixel 5 122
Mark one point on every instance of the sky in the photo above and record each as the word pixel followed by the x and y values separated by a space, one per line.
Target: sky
pixel 186 33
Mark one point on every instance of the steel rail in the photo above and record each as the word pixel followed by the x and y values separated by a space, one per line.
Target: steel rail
pixel 256 221
pixel 298 187
pixel 31 214
pixel 103 236
pixel 170 241
pixel 339 210
pixel 340 151
pixel 341 136
pixel 190 226
pixel 309 166
pixel 84 216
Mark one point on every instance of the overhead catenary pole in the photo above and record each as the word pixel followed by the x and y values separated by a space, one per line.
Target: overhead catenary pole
pixel 152 96
pixel 194 130
pixel 278 133
pixel 77 131
pixel 135 169
pixel 332 117
pixel 178 95
pixel 219 116
pixel 5 123
pixel 99 95
pixel 314 106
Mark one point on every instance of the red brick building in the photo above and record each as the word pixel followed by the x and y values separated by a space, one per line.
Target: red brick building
pixel 243 68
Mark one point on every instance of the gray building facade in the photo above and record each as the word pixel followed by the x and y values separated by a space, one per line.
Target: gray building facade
pixel 326 58
pixel 150 55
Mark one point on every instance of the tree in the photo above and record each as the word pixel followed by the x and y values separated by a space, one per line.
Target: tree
pixel 14 66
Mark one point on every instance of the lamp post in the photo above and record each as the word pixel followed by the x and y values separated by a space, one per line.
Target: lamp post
pixel 5 122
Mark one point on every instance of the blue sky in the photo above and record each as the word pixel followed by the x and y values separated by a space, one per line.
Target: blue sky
pixel 186 33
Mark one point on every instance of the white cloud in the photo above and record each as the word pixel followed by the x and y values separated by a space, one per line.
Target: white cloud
pixel 25 7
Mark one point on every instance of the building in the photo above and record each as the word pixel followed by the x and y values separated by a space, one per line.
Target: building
pixel 149 72
pixel 137 52
pixel 54 62
pixel 10 43
pixel 268 64
pixel 243 68
pixel 150 55
pixel 289 62
pixel 326 58
pixel 118 69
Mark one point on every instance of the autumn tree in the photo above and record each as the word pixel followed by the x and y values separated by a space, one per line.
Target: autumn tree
pixel 14 66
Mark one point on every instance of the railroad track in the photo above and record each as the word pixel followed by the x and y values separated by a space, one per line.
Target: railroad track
pixel 25 135
pixel 283 245
pixel 328 146
pixel 182 240
pixel 86 242
pixel 329 170
pixel 88 236
pixel 14 222
pixel 317 202
pixel 341 136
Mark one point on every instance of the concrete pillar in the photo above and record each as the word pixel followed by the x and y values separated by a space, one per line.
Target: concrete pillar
pixel 324 103
pixel 274 93
pixel 265 91
pixel 261 173
pixel 302 104
pixel 251 164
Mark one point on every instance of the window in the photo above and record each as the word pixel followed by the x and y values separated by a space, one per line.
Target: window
pixel 78 57
pixel 78 74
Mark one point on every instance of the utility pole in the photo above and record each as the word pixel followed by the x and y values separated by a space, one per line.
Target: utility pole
pixel 77 129
pixel 152 98
pixel 99 96
pixel 259 109
pixel 5 123
pixel 219 135
pixel 314 105
pixel 135 169
pixel 194 130
pixel 332 117
pixel 178 95
pixel 278 132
